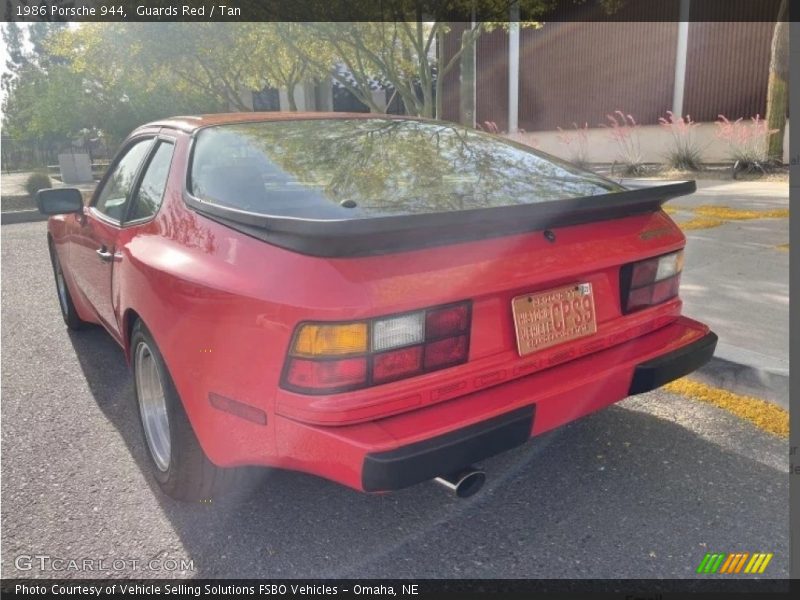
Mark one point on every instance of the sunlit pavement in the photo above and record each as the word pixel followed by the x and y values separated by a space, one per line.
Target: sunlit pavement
pixel 642 489
pixel 736 279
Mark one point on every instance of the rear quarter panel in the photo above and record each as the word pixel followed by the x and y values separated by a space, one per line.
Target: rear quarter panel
pixel 222 307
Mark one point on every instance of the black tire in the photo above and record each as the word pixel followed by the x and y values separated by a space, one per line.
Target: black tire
pixel 190 475
pixel 65 303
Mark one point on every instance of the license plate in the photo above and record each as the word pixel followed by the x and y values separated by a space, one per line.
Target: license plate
pixel 553 317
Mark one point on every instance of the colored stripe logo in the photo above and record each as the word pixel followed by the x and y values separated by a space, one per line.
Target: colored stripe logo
pixel 731 564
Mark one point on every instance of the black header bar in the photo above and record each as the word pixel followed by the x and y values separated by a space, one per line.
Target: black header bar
pixel 390 10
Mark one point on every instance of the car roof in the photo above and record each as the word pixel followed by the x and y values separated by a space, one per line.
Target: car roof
pixel 192 123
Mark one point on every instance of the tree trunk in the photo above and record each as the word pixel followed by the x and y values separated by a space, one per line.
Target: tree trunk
pixel 466 113
pixel 439 86
pixel 778 91
pixel 290 97
pixel 428 109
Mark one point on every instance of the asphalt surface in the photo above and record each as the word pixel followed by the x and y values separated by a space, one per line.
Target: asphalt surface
pixel 642 489
pixel 736 280
pixel 737 277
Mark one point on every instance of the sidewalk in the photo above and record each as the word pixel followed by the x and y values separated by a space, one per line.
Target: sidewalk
pixel 13 184
pixel 18 207
pixel 736 280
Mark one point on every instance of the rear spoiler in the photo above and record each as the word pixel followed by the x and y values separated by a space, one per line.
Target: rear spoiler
pixel 383 235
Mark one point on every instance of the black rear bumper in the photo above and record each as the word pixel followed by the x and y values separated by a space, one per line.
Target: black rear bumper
pixel 444 454
pixel 668 367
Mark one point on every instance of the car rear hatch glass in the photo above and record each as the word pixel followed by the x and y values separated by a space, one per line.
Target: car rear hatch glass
pixel 355 186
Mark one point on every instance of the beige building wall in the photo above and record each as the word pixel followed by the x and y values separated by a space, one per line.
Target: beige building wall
pixel 654 142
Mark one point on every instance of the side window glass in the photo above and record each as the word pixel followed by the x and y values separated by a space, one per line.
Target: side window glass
pixel 151 191
pixel 111 201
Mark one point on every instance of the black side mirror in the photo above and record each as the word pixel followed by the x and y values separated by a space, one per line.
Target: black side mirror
pixel 59 201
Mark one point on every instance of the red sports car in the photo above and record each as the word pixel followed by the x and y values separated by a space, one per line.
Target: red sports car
pixel 377 300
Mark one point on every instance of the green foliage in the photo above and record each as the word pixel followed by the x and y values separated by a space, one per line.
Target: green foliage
pixel 397 54
pixel 215 62
pixel 12 38
pixel 80 80
pixel 37 181
pixel 107 78
pixel 778 88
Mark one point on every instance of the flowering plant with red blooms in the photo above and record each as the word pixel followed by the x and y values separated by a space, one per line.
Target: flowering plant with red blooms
pixel 624 131
pixel 747 142
pixel 577 143
pixel 685 153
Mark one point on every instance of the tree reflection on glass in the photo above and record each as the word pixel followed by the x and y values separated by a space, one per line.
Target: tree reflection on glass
pixel 309 168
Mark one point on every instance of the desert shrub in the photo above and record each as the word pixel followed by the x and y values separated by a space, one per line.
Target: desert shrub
pixel 748 143
pixel 685 152
pixel 489 127
pixel 624 131
pixel 577 142
pixel 37 181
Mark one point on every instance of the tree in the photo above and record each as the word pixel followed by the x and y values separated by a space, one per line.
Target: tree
pixel 778 90
pixel 398 54
pixel 74 81
pixel 198 58
pixel 15 58
pixel 274 63
pixel 47 106
pixel 223 61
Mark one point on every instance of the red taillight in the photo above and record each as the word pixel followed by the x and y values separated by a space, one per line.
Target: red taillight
pixel 664 290
pixel 396 364
pixel 644 273
pixel 327 374
pixel 450 320
pixel 376 351
pixel 651 281
pixel 445 352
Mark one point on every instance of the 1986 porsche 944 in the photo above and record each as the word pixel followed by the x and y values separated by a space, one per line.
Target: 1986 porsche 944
pixel 376 300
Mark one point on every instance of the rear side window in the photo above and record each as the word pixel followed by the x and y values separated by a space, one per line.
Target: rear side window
pixel 356 168
pixel 151 190
pixel 112 199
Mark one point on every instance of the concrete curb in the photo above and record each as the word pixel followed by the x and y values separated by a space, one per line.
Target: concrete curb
pixel 746 380
pixel 21 216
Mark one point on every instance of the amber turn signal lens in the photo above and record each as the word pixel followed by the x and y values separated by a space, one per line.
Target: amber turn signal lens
pixel 330 340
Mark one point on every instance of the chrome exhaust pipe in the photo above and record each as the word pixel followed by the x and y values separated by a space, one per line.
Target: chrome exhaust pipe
pixel 463 483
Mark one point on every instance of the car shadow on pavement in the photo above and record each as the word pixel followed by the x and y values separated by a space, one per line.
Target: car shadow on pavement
pixel 621 493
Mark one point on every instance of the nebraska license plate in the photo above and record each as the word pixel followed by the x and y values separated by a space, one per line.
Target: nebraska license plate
pixel 553 317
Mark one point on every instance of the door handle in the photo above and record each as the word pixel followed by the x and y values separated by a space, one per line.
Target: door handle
pixel 104 254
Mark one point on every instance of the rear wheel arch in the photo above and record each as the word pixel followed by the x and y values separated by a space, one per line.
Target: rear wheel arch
pixel 69 312
pixel 129 319
pixel 180 466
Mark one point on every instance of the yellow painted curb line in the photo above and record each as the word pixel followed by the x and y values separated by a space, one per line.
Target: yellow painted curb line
pixel 727 213
pixel 764 415
pixel 707 216
pixel 700 223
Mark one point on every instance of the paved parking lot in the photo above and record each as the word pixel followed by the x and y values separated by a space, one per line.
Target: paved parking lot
pixel 643 489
